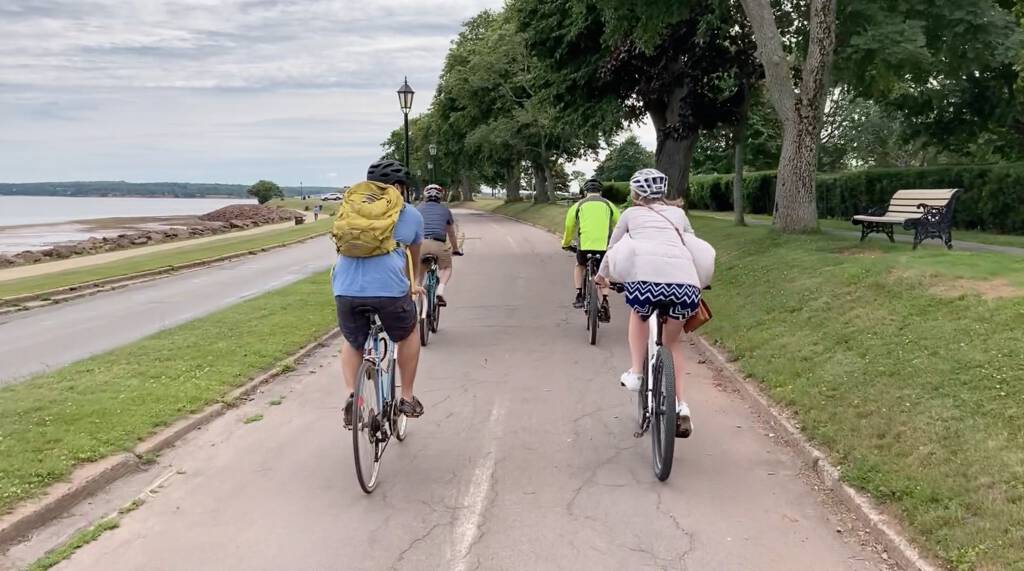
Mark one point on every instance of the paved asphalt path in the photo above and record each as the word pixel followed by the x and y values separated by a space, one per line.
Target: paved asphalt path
pixel 525 459
pixel 35 341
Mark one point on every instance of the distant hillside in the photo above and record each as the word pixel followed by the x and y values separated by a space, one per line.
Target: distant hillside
pixel 148 189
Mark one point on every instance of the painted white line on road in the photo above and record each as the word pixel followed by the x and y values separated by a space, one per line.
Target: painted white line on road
pixel 513 242
pixel 467 524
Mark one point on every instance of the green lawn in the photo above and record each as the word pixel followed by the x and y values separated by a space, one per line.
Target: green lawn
pixel 330 207
pixel 906 365
pixel 158 260
pixel 830 224
pixel 108 403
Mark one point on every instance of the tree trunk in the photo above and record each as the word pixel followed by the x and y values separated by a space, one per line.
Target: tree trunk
pixel 674 153
pixel 513 180
pixel 549 174
pixel 800 112
pixel 466 188
pixel 540 183
pixel 796 208
pixel 739 136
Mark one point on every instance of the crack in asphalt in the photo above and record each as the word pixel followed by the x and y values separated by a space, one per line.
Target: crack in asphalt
pixel 416 541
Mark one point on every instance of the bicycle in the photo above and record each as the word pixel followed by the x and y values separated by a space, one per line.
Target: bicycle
pixel 591 297
pixel 375 415
pixel 426 303
pixel 656 398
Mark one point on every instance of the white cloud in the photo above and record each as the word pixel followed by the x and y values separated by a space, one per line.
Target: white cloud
pixel 211 90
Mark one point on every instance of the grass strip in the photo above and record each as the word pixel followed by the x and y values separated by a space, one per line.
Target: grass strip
pixel 108 403
pixel 155 260
pixel 77 541
pixel 903 364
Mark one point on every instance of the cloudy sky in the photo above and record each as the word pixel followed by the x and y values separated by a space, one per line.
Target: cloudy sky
pixel 212 90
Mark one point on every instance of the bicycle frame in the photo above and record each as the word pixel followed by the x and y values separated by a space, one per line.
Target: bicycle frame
pixel 382 352
pixel 655 326
pixel 430 283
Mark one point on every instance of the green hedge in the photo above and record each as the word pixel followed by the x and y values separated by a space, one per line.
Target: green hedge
pixel 993 197
pixel 617 192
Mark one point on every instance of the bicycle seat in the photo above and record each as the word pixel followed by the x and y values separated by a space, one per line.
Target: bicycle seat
pixel 366 311
pixel 430 259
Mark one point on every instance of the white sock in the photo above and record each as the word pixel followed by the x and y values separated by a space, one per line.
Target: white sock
pixel 440 289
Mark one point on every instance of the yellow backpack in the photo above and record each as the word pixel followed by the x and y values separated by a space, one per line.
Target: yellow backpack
pixel 366 220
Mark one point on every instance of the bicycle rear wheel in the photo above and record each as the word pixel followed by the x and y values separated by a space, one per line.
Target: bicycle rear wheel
pixel 663 414
pixel 366 432
pixel 435 316
pixel 592 312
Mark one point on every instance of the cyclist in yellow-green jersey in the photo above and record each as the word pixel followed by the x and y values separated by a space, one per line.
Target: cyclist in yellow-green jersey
pixel 588 227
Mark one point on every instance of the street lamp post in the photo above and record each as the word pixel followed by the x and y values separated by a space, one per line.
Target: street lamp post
pixel 433 153
pixel 405 94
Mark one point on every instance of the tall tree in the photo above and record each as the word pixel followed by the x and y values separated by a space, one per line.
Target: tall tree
pixel 623 160
pixel 674 62
pixel 799 107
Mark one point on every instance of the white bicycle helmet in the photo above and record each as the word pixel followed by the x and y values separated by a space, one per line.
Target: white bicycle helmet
pixel 433 191
pixel 649 183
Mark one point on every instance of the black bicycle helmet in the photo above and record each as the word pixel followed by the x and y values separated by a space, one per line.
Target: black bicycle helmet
pixel 388 172
pixel 593 185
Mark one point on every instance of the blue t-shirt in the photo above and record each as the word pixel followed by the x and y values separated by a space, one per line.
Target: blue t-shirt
pixel 436 218
pixel 386 275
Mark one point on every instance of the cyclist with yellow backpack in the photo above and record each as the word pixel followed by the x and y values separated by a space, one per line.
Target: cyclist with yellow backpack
pixel 378 240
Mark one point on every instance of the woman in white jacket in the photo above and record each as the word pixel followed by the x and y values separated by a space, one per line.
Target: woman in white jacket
pixel 648 255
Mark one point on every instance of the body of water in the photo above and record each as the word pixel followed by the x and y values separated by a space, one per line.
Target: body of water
pixel 22 210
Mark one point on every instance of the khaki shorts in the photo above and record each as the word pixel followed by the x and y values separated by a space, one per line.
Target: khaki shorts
pixel 442 250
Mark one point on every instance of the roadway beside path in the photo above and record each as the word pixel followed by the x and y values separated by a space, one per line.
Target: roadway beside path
pixel 35 341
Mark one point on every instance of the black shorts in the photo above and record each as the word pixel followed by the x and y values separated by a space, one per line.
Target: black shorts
pixel 397 315
pixel 581 256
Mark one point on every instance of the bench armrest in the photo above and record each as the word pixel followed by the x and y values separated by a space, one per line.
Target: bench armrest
pixel 932 215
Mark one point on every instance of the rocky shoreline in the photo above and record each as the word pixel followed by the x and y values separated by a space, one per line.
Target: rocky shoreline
pixel 221 221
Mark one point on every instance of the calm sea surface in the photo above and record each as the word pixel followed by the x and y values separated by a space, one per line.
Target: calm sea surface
pixel 19 210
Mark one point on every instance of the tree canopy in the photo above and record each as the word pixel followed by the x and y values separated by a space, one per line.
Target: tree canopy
pixel 728 85
pixel 264 191
pixel 623 160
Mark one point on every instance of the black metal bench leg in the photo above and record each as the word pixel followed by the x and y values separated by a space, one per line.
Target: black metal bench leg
pixel 864 232
pixel 947 238
pixel 888 232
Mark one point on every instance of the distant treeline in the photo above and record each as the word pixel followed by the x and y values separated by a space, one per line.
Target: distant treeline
pixel 148 189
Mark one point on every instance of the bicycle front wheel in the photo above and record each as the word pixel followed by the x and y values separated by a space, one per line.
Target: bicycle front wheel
pixel 366 431
pixel 423 325
pixel 663 414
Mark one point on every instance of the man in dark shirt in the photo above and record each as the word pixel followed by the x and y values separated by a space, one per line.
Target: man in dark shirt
pixel 440 239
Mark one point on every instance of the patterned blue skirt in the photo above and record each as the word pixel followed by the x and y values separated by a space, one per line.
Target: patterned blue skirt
pixel 642 297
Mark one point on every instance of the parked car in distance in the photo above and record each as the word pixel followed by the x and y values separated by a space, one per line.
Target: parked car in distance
pixel 332 196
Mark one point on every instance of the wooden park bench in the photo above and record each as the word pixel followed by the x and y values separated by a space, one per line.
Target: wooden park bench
pixel 928 212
